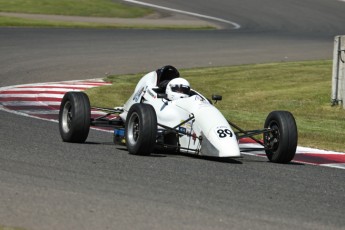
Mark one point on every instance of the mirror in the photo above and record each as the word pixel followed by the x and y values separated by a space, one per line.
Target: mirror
pixel 216 97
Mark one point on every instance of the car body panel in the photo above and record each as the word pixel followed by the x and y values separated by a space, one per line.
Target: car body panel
pixel 208 133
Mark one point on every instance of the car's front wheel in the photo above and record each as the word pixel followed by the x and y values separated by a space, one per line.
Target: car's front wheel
pixel 141 129
pixel 74 117
pixel 281 141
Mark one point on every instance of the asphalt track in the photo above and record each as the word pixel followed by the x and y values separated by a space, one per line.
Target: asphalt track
pixel 36 55
pixel 47 184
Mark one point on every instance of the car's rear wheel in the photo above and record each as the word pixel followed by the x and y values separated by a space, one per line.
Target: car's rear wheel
pixel 141 129
pixel 281 141
pixel 74 117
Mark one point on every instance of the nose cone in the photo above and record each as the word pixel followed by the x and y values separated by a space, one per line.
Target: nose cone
pixel 220 142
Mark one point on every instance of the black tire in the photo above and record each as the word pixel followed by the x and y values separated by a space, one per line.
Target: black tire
pixel 74 117
pixel 281 144
pixel 141 129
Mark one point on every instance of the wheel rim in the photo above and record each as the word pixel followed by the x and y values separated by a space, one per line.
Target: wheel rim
pixel 272 138
pixel 133 129
pixel 67 117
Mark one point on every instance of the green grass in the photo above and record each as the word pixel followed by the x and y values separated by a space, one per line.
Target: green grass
pixel 88 8
pixel 99 8
pixel 250 92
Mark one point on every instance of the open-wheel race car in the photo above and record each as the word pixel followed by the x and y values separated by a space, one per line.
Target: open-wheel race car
pixel 164 113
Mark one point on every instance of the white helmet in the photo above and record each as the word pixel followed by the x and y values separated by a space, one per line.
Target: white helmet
pixel 177 88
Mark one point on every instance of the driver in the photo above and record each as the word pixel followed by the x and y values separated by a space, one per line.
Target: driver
pixel 178 88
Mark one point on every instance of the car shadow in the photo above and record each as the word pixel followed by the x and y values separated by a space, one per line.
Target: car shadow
pixel 168 153
pixel 260 159
pixel 98 143
pixel 228 160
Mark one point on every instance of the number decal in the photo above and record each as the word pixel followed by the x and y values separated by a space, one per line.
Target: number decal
pixel 222 133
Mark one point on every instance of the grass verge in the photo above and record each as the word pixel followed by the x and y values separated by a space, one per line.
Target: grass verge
pixel 250 92
pixel 85 8
pixel 99 8
pixel 21 22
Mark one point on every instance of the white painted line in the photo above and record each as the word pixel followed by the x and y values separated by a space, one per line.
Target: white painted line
pixel 25 114
pixel 39 112
pixel 30 103
pixel 236 25
pixel 89 82
pixel 53 111
pixel 38 90
pixel 61 86
pixel 299 150
pixel 339 166
pixel 31 95
pixel 304 150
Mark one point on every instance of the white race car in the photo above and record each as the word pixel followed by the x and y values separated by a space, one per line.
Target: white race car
pixel 164 113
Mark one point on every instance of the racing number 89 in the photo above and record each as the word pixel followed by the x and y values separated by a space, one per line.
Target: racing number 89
pixel 222 133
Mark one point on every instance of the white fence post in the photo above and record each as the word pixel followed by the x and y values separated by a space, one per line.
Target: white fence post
pixel 338 76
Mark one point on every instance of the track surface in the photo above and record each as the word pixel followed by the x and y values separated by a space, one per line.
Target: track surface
pixel 36 55
pixel 43 101
pixel 47 184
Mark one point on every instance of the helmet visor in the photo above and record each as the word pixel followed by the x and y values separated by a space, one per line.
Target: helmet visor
pixel 180 89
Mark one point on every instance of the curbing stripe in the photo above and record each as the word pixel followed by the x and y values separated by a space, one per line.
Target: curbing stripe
pixel 44 100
